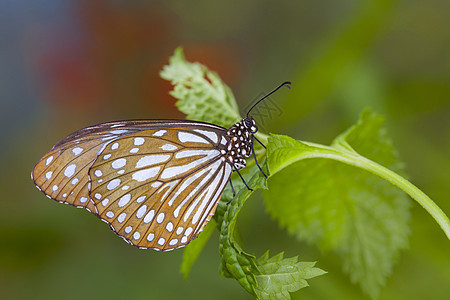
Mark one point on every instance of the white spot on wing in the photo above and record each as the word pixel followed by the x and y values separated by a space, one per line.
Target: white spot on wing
pixel 122 217
pixel 139 141
pixel 136 235
pixel 119 163
pixel 145 174
pixel 173 242
pixel 55 188
pixel 115 146
pixel 48 160
pixel 83 199
pixel 168 147
pixel 128 229
pixel 223 141
pixel 70 170
pixel 156 184
pixel 124 200
pixel 186 137
pixel 161 241
pixel 113 184
pixel 160 218
pixel 150 237
pixel 188 231
pixel 210 134
pixel 190 153
pixel 48 175
pixel 152 160
pixel 149 217
pixel 141 199
pixel 160 133
pixel 77 150
pixel 141 211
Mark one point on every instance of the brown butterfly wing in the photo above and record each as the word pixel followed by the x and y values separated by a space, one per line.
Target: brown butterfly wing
pixel 157 183
pixel 62 174
pixel 158 188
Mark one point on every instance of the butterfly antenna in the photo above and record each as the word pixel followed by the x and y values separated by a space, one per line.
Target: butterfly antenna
pixel 286 84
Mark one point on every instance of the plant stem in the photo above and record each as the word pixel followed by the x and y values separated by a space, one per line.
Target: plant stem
pixel 354 159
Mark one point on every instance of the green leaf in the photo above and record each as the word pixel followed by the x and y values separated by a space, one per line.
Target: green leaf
pixel 193 249
pixel 249 272
pixel 201 94
pixel 360 216
pixel 236 263
pixel 281 276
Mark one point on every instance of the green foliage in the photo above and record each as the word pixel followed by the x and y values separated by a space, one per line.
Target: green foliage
pixel 283 275
pixel 340 201
pixel 201 94
pixel 341 208
pixel 235 262
pixel 333 56
pixel 194 248
pixel 264 278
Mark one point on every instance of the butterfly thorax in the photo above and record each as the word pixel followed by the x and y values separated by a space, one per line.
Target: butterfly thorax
pixel 240 145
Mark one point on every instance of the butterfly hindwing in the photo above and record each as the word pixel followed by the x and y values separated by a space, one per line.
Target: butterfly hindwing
pixel 156 188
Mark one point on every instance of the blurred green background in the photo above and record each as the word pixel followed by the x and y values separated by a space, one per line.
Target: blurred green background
pixel 71 63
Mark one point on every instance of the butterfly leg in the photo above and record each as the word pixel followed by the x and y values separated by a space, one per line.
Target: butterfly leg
pixel 234 193
pixel 254 156
pixel 242 178
pixel 232 188
pixel 254 137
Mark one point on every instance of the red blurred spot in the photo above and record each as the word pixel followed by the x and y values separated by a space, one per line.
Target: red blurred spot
pixel 112 64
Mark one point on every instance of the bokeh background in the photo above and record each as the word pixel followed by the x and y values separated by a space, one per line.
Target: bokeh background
pixel 67 64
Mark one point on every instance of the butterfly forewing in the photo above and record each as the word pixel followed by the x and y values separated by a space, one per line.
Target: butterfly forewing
pixel 157 187
pixel 62 174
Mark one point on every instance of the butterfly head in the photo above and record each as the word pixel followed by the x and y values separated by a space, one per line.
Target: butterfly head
pixel 250 124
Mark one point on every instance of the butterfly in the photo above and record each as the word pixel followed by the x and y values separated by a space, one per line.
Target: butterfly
pixel 156 183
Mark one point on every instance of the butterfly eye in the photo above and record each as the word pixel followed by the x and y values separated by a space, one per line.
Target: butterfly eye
pixel 250 124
